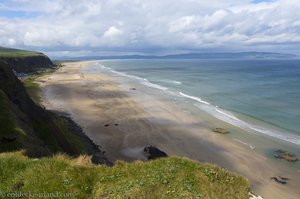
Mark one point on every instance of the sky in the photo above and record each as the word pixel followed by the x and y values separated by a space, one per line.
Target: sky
pixel 157 27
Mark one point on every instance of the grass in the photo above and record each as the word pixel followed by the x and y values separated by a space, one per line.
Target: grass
pixel 33 89
pixel 73 139
pixel 10 52
pixel 163 178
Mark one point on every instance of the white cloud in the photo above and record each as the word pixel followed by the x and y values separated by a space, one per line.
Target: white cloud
pixel 112 32
pixel 147 26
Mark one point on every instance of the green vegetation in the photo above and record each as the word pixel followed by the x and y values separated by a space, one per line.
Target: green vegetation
pixel 10 52
pixel 162 178
pixel 44 128
pixel 33 88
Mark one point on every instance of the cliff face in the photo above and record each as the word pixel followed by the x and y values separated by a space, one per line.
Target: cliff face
pixel 16 130
pixel 28 64
pixel 27 126
pixel 30 119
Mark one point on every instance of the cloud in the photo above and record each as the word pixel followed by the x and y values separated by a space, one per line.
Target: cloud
pixel 150 26
pixel 112 32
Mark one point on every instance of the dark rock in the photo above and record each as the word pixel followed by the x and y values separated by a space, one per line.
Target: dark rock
pixel 283 178
pixel 133 89
pixel 280 180
pixel 116 124
pixel 153 152
pixel 106 125
pixel 281 154
pixel 221 131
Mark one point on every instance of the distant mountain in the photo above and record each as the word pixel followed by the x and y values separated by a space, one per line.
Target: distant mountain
pixel 239 55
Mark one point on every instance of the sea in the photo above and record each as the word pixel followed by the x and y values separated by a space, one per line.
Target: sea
pixel 260 96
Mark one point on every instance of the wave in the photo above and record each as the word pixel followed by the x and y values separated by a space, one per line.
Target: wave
pixel 170 81
pixel 176 82
pixel 195 98
pixel 148 83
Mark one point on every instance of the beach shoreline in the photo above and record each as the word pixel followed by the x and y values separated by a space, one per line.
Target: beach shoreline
pixel 119 119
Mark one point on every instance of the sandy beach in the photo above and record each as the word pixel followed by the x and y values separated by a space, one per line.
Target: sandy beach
pixel 123 121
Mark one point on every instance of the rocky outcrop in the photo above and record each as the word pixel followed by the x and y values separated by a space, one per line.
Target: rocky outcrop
pixel 154 153
pixel 281 154
pixel 280 180
pixel 221 131
pixel 28 64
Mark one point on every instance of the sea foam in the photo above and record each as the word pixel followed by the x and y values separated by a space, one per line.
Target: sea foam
pixel 168 81
pixel 194 98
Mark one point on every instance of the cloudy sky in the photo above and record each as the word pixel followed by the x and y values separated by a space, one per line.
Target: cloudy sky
pixel 106 27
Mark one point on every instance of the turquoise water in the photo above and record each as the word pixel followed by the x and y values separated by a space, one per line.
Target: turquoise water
pixel 260 96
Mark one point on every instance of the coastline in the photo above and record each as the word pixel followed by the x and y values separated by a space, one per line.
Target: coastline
pixel 137 120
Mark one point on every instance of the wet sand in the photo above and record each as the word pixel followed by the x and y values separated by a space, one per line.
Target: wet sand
pixel 122 122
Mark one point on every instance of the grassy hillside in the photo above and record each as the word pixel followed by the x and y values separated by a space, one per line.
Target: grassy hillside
pixel 11 52
pixel 162 178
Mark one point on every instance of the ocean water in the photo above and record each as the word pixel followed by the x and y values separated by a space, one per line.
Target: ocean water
pixel 260 96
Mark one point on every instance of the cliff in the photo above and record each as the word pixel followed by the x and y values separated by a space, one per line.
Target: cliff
pixel 23 61
pixel 27 126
